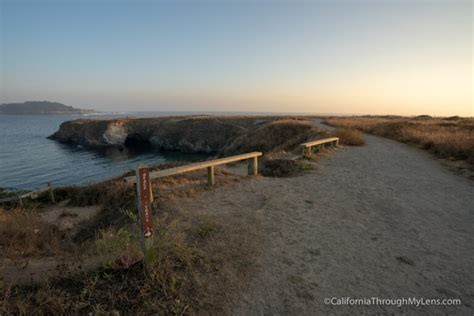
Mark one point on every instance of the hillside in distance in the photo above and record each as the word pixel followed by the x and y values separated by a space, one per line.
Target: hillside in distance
pixel 39 108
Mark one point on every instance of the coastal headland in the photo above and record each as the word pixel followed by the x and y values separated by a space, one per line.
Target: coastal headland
pixel 192 134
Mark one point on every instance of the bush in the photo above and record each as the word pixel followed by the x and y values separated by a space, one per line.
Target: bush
pixel 453 118
pixel 280 168
pixel 350 137
pixel 423 117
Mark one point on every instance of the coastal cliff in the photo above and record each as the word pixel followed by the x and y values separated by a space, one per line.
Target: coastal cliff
pixel 194 134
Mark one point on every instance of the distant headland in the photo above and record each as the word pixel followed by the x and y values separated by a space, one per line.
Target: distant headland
pixel 40 108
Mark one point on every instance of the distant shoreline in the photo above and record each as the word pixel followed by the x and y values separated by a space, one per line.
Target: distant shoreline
pixel 41 108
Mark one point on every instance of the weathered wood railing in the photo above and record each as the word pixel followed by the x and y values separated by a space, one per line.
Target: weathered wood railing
pixel 32 195
pixel 252 159
pixel 307 148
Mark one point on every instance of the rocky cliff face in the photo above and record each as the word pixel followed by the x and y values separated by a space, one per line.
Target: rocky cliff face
pixel 210 135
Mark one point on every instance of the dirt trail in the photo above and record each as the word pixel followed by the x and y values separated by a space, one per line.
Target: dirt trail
pixel 383 220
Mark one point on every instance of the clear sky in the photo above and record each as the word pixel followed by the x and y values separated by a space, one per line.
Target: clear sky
pixel 354 57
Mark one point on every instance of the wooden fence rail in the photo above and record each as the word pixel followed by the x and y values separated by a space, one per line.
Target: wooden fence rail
pixel 33 195
pixel 252 159
pixel 308 147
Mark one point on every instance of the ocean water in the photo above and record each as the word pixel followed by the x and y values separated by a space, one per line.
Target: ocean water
pixel 29 160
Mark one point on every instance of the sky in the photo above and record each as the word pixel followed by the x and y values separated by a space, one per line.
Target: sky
pixel 340 57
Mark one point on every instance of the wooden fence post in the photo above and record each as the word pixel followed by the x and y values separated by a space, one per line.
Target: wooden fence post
pixel 144 213
pixel 307 151
pixel 51 193
pixel 253 166
pixel 210 176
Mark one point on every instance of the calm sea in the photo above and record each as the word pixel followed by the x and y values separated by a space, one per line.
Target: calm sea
pixel 29 160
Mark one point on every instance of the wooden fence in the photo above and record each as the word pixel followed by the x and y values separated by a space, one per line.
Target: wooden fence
pixel 252 159
pixel 32 195
pixel 307 148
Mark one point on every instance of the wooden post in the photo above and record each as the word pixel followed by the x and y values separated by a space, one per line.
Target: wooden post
pixel 51 193
pixel 253 166
pixel 210 176
pixel 144 213
pixel 337 142
pixel 307 152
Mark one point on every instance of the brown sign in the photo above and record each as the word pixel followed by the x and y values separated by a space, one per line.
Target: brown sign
pixel 145 198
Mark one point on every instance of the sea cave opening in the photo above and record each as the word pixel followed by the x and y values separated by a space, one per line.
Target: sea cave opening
pixel 137 141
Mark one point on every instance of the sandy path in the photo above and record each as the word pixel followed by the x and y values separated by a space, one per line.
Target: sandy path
pixel 384 220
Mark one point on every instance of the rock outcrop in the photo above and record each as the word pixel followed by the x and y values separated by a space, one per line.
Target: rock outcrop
pixel 195 134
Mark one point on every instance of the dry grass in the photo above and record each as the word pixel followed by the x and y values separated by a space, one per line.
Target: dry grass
pixel 170 287
pixel 283 167
pixel 23 234
pixel 350 137
pixel 274 137
pixel 280 168
pixel 192 267
pixel 451 138
pixel 110 194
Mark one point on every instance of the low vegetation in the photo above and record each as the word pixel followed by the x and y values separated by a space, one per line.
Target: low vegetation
pixel 350 136
pixel 280 168
pixel 276 136
pixel 192 265
pixel 284 167
pixel 23 234
pixel 451 138
pixel 7 194
pixel 120 284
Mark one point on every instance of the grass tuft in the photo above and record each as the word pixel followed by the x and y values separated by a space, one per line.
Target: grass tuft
pixel 350 137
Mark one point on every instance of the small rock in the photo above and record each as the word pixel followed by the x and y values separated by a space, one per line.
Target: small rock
pixel 405 260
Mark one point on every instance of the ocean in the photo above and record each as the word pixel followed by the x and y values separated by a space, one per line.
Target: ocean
pixel 28 160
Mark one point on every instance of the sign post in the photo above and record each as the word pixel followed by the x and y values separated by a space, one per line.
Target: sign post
pixel 144 199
